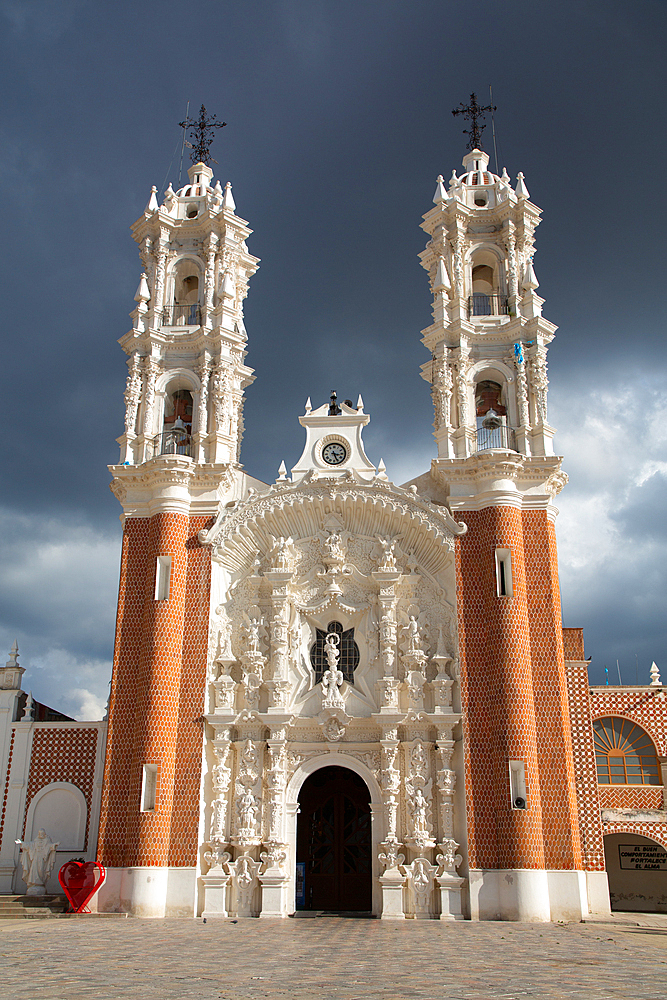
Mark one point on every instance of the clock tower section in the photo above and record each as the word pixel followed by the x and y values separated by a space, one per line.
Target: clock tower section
pixel 179 458
pixel 496 469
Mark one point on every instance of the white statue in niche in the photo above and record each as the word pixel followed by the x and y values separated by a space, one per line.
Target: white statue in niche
pixel 332 677
pixel 38 858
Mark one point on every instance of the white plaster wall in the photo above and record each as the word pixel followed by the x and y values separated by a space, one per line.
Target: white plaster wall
pixel 641 891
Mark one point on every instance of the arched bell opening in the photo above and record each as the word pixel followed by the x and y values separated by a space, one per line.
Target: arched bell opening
pixel 488 294
pixel 334 849
pixel 177 423
pixel 493 430
pixel 185 307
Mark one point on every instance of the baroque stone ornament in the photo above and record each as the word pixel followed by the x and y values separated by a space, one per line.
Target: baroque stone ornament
pixel 421 877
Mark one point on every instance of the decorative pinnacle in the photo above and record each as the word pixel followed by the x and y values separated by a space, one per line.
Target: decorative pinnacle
pixel 473 112
pixel 199 134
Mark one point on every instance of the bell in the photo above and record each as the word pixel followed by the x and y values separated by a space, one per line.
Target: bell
pixel 492 420
pixel 179 428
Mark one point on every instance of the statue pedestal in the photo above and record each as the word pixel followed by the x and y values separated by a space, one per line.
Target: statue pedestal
pixel 450 896
pixel 392 895
pixel 215 894
pixel 36 890
pixel 274 887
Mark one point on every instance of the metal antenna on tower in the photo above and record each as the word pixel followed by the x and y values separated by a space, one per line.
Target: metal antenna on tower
pixel 493 128
pixel 180 168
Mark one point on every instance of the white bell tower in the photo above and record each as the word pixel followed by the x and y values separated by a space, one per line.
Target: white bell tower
pixel 186 348
pixel 488 340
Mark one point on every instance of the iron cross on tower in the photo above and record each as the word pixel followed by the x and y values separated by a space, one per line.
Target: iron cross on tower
pixel 201 140
pixel 474 112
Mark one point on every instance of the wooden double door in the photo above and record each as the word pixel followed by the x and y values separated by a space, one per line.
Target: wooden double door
pixel 334 841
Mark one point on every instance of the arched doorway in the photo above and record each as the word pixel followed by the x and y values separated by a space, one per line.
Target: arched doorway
pixel 334 842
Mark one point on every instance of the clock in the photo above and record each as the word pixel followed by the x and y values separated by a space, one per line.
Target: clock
pixel 334 453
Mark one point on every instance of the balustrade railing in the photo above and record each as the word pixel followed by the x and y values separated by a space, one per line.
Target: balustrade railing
pixel 174 443
pixel 496 437
pixel 182 315
pixel 487 305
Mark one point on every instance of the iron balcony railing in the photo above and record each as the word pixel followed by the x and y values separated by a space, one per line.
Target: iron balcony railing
pixel 496 437
pixel 179 315
pixel 487 305
pixel 174 443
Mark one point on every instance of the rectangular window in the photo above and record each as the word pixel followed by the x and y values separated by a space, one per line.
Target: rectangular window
pixel 149 788
pixel 518 790
pixel 504 573
pixel 162 578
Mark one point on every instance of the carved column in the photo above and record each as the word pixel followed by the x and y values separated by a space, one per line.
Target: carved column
pixel 203 371
pixel 159 277
pixel 388 685
pixel 216 880
pixel 278 685
pixel 393 879
pixel 449 882
pixel 210 247
pixel 150 374
pixel 275 876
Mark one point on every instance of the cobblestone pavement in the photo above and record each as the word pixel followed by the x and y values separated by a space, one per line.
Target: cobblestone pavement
pixel 331 957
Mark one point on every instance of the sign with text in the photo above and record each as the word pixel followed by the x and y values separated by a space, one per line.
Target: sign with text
pixel 643 857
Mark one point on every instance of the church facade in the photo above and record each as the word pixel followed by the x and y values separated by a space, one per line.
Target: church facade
pixel 333 693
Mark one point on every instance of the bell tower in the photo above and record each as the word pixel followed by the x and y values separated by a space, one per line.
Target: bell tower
pixel 179 458
pixel 496 469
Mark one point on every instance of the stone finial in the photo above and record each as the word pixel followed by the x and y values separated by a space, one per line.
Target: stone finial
pixel 360 404
pixel 13 660
pixel 530 282
pixel 143 294
pixel 29 709
pixel 309 405
pixel 441 277
pixel 655 675
pixel 521 189
pixel 282 473
pixel 382 470
pixel 152 205
pixel 440 193
pixel 228 202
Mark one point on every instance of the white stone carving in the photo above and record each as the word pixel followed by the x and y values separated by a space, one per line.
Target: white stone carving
pixel 248 796
pixel 221 776
pixel 418 791
pixel 421 876
pixel 244 872
pixel 38 857
pixel 332 677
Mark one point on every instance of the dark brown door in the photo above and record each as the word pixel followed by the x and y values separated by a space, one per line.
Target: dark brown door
pixel 334 840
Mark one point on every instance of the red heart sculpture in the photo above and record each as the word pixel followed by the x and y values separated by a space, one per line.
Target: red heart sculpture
pixel 80 882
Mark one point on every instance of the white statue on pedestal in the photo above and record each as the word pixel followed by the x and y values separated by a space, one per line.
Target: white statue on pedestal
pixel 38 858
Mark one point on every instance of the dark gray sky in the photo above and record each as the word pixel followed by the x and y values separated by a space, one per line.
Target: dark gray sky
pixel 339 119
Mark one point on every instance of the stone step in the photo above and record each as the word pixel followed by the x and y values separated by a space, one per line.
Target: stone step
pixel 31 907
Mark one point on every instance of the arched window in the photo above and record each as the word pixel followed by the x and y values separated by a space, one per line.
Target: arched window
pixel 349 652
pixel 185 309
pixel 624 753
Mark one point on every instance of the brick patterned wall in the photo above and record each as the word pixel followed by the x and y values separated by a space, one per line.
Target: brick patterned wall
pixel 157 695
pixel 562 848
pixel 62 755
pixel 6 792
pixel 630 796
pixel 573 644
pixel 654 831
pixel 497 695
pixel 588 806
pixel 514 694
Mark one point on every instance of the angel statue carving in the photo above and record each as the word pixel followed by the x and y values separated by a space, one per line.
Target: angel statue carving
pixel 332 677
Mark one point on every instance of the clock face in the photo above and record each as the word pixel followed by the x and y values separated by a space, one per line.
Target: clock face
pixel 334 453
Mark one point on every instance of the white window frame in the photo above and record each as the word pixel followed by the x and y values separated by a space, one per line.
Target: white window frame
pixel 162 578
pixel 504 573
pixel 518 784
pixel 149 788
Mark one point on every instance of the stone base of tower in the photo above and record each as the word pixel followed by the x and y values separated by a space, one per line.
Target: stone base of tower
pixel 145 891
pixel 536 896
